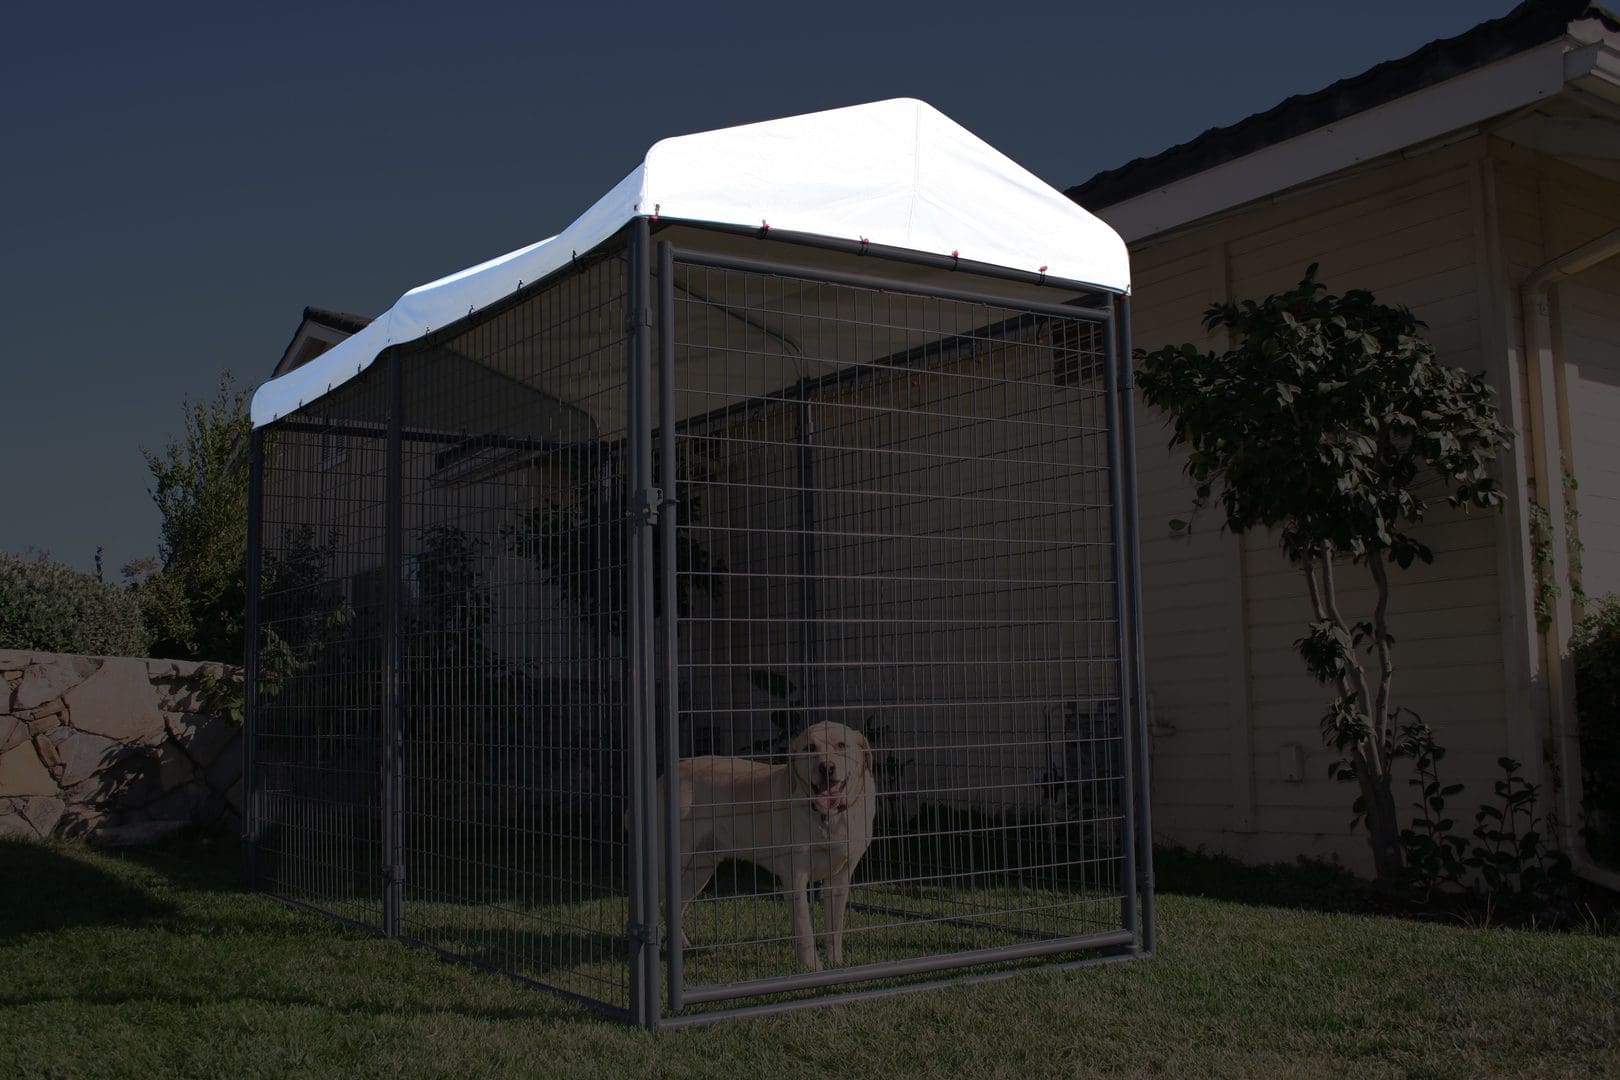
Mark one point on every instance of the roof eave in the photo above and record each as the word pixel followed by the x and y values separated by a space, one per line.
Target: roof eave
pixel 1593 64
pixel 1432 113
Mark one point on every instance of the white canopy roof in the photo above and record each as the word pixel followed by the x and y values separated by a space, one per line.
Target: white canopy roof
pixel 897 173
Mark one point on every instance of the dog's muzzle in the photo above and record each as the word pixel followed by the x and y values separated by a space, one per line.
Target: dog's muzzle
pixel 829 792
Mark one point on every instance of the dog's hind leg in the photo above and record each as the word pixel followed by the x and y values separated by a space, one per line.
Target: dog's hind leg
pixel 696 870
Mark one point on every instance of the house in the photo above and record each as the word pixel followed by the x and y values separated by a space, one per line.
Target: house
pixel 317 332
pixel 1476 181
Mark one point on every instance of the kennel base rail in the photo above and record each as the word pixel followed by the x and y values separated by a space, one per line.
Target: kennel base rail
pixel 743 1012
pixel 922 965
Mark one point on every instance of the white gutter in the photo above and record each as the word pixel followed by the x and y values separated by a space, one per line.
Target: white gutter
pixel 1549 456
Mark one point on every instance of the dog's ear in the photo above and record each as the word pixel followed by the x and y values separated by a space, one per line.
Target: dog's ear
pixel 800 740
pixel 866 752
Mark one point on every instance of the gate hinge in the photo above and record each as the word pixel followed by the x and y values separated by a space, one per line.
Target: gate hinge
pixel 646 505
pixel 642 934
pixel 639 318
pixel 394 874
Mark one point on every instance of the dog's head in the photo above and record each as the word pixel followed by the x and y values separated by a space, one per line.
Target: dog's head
pixel 833 762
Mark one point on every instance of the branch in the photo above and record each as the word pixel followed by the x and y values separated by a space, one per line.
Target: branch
pixel 1325 604
pixel 1309 565
pixel 1330 601
pixel 1386 662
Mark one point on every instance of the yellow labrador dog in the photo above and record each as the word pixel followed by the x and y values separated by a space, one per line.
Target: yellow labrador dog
pixel 805 821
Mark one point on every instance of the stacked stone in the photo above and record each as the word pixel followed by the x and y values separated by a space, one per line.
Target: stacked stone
pixel 113 748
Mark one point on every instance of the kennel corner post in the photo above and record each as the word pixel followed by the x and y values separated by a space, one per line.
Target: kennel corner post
pixel 1143 808
pixel 250 658
pixel 667 523
pixel 1114 389
pixel 393 726
pixel 642 931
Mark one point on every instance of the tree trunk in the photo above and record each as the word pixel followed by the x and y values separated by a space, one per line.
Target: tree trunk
pixel 1383 825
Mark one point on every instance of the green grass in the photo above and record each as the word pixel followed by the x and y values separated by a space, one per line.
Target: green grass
pixel 159 965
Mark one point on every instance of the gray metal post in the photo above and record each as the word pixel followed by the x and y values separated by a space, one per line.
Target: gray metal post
pixel 1133 561
pixel 643 930
pixel 393 726
pixel 1127 688
pixel 667 524
pixel 250 659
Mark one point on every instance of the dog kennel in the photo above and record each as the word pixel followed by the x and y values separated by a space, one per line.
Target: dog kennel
pixel 819 421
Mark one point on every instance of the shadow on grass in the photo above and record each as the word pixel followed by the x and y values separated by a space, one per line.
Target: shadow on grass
pixel 1305 885
pixel 52 889
pixel 192 886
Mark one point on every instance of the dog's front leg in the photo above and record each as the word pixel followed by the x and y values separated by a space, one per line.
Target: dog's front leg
pixel 804 938
pixel 836 894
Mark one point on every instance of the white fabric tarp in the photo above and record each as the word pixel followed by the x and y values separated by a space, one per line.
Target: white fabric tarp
pixel 897 173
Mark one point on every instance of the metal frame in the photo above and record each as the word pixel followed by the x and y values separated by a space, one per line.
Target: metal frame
pixel 250 657
pixel 656 989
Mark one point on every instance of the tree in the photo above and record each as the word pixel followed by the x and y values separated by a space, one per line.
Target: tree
pixel 1331 421
pixel 195 603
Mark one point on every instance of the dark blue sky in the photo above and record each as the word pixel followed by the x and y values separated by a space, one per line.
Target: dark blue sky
pixel 179 182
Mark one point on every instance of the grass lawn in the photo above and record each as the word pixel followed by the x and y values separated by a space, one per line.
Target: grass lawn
pixel 159 965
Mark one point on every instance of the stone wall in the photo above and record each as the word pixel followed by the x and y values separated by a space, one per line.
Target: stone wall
pixel 118 749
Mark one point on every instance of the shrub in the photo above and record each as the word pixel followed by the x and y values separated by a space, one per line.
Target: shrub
pixel 1596 649
pixel 50 607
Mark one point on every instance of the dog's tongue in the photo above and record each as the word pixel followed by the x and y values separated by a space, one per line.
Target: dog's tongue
pixel 827 796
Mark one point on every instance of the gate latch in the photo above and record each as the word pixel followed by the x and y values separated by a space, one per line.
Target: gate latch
pixel 646 505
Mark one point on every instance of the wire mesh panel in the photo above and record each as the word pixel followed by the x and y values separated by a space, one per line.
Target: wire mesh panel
pixel 466 790
pixel 317 698
pixel 513 623
pixel 897 682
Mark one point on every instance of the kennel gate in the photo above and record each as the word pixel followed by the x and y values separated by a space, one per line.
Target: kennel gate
pixel 689 495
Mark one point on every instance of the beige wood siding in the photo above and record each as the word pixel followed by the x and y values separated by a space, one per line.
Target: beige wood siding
pixel 1190 620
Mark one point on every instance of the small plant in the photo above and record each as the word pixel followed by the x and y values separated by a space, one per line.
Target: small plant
pixel 1507 871
pixel 1520 874
pixel 1434 853
pixel 224 693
